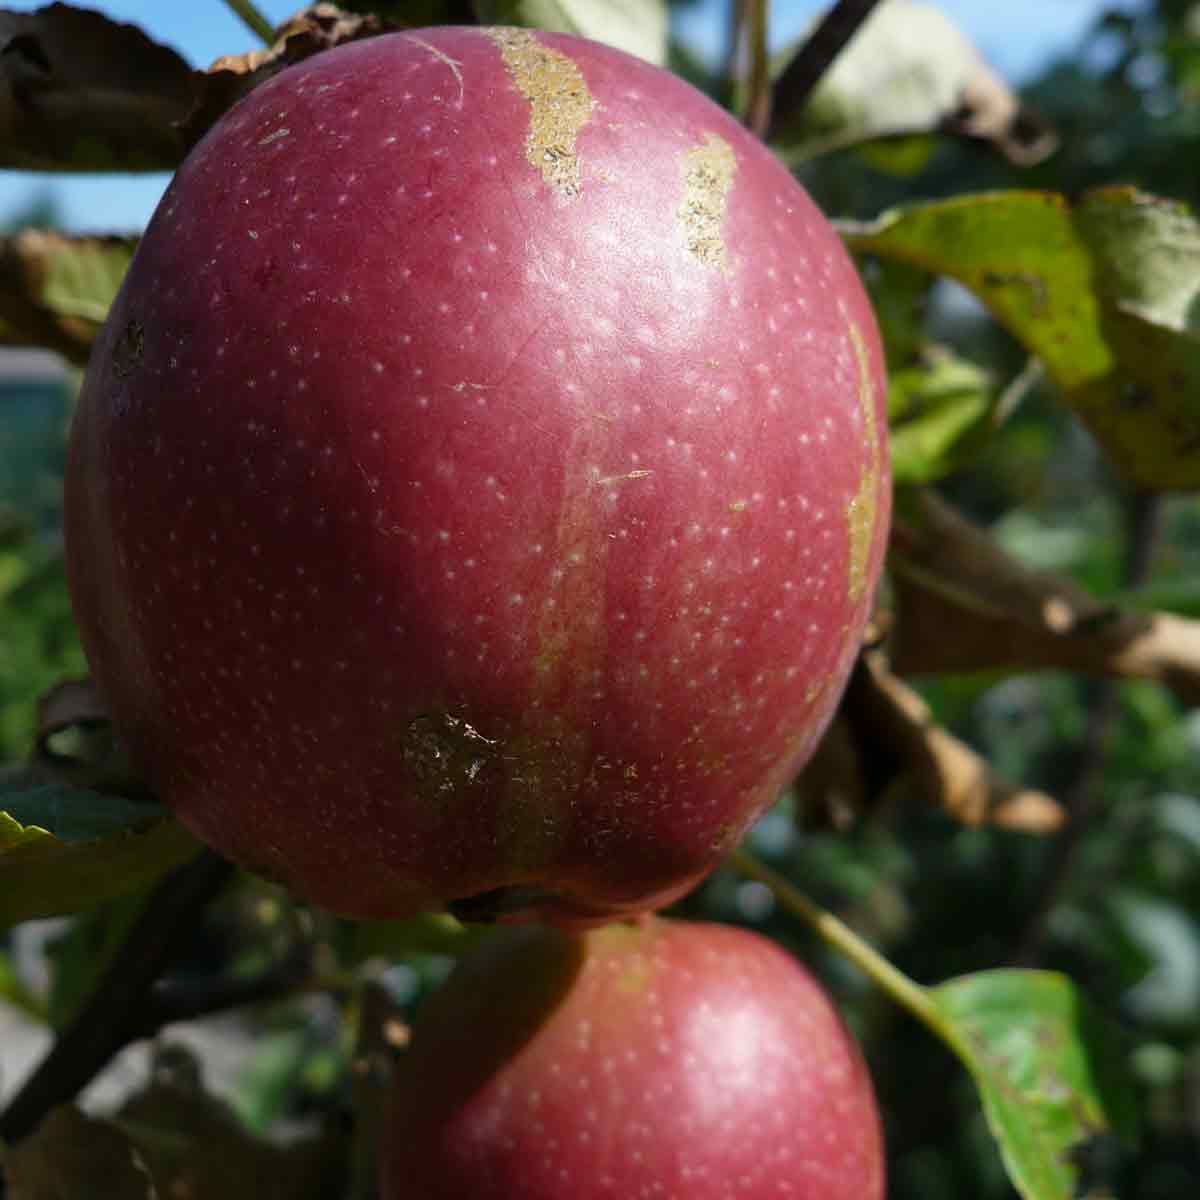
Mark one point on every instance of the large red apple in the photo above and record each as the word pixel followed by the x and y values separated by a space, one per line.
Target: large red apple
pixel 661 1059
pixel 480 483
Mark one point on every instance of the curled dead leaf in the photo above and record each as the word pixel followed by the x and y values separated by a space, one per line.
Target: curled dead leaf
pixel 81 92
pixel 193 1145
pixel 989 111
pixel 886 742
pixel 964 604
pixel 941 767
pixel 908 71
pixel 69 1153
pixel 310 31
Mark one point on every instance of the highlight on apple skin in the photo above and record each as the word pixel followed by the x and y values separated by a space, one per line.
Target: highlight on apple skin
pixel 657 1059
pixel 478 491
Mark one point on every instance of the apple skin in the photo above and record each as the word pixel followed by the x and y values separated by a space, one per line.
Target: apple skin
pixel 659 1058
pixel 477 492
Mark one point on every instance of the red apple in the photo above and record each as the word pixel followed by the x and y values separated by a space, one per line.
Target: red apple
pixel 661 1059
pixel 480 483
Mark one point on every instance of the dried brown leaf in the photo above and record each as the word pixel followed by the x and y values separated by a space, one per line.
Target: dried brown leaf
pixel 311 31
pixel 885 742
pixel 989 111
pixel 939 766
pixel 70 1155
pixel 81 92
pixel 964 604
pixel 194 1146
pixel 831 788
pixel 69 702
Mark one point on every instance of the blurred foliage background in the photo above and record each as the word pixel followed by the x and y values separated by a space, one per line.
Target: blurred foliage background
pixel 1113 900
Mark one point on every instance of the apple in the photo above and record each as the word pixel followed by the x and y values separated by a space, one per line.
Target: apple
pixel 659 1058
pixel 478 489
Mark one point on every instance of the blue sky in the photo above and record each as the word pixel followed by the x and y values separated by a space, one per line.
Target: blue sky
pixel 1017 36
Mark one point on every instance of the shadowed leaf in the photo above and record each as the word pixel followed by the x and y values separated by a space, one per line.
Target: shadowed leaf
pixel 69 1155
pixel 193 1145
pixel 81 92
pixel 311 31
pixel 63 849
pixel 963 603
pixel 635 26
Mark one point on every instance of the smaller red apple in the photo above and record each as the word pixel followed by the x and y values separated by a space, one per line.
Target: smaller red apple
pixel 653 1059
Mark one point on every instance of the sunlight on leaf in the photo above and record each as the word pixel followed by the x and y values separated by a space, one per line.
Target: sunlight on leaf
pixel 908 73
pixel 1050 1071
pixel 635 26
pixel 1048 1068
pixel 1086 289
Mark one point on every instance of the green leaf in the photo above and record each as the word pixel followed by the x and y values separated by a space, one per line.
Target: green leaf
pixel 269 1079
pixel 636 26
pixel 83 276
pixel 429 933
pixel 1147 253
pixel 1048 1068
pixel 64 849
pixel 70 815
pixel 14 991
pixel 939 412
pixel 56 289
pixel 900 297
pixel 1077 286
pixel 1180 596
pixel 1165 934
pixel 78 957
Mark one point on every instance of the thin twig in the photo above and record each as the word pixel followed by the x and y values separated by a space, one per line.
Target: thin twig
pixel 1081 798
pixel 814 58
pixel 174 1000
pixel 112 1016
pixel 757 116
pixel 254 20
pixel 836 933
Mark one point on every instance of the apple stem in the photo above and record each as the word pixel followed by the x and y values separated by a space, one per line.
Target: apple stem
pixel 906 992
pixel 801 76
pixel 253 19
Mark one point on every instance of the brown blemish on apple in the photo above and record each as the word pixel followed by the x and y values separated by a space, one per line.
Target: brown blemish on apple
pixel 708 172
pixel 449 762
pixel 559 105
pixel 861 510
pixel 724 837
pixel 446 760
pixel 129 349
